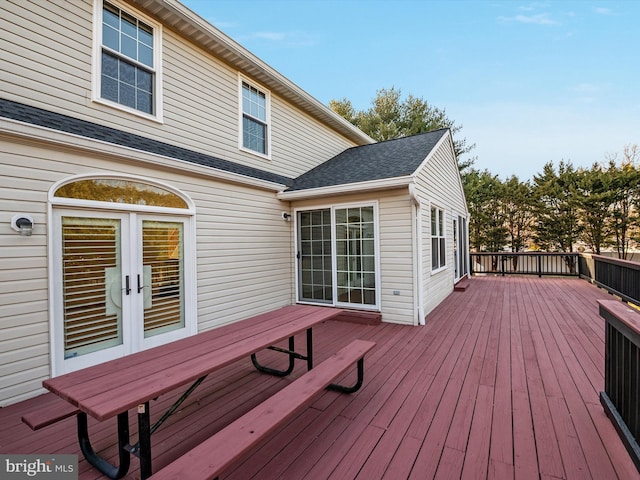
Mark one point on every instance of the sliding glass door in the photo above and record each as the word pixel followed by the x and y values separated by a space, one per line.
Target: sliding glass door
pixel 337 256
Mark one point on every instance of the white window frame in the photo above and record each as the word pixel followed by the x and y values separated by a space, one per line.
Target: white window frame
pixel 56 205
pixel 267 95
pixel 96 97
pixel 441 224
pixel 334 271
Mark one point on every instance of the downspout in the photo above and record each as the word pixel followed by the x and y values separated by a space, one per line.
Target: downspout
pixel 417 205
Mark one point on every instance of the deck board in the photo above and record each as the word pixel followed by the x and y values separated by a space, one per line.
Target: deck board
pixel 502 382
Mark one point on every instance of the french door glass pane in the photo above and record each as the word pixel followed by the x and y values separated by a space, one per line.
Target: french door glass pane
pixel 355 255
pixel 92 284
pixel 163 276
pixel 316 282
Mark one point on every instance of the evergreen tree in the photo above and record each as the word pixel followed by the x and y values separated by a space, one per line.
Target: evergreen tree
pixel 556 208
pixel 390 116
pixel 594 201
pixel 625 188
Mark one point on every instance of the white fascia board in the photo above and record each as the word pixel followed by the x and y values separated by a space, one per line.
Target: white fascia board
pixel 40 134
pixel 197 29
pixel 383 184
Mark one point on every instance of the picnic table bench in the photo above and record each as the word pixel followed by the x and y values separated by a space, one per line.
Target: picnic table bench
pixel 111 389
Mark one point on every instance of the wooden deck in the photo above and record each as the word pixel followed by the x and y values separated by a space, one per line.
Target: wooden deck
pixel 501 383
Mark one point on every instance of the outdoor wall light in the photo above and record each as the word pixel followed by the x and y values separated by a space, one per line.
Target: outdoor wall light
pixel 286 216
pixel 23 224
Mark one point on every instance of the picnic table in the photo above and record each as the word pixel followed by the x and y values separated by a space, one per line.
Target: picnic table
pixel 113 388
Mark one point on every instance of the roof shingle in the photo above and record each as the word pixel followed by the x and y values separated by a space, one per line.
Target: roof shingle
pixel 383 160
pixel 56 121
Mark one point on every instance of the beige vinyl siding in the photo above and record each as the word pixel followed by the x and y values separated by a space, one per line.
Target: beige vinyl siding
pixel 24 343
pixel 48 64
pixel 243 252
pixel 396 249
pixel 438 184
pixel 396 258
pixel 33 71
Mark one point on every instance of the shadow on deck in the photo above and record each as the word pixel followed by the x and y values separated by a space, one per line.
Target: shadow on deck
pixel 502 383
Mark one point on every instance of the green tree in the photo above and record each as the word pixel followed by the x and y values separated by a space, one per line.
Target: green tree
pixel 516 204
pixel 625 188
pixel 594 203
pixel 390 116
pixel 556 207
pixel 484 193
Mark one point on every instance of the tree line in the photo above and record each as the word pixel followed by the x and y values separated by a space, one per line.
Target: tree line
pixel 563 208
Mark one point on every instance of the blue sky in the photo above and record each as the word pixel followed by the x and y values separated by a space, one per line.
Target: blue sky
pixel 530 82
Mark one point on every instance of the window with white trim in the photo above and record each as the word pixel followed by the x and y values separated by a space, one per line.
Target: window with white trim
pixel 127 60
pixel 254 121
pixel 438 250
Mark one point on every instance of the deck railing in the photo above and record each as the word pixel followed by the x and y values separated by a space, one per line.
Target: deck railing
pixel 619 277
pixel 524 263
pixel 621 396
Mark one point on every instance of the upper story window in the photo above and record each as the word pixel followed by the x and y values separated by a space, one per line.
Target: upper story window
pixel 255 116
pixel 438 250
pixel 127 58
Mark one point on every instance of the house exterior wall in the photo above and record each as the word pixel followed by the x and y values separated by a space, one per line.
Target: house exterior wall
pixel 239 272
pixel 244 249
pixel 438 184
pixel 47 60
pixel 395 248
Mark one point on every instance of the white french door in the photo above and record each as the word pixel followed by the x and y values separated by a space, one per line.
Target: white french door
pixel 121 284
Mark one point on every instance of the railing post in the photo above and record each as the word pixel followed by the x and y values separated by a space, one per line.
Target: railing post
pixel 621 398
pixel 539 256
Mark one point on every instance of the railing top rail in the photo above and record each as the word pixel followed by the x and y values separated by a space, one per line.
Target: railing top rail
pixel 615 261
pixel 549 254
pixel 622 313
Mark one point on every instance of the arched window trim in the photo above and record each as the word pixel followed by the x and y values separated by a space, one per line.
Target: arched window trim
pixel 58 365
pixel 84 203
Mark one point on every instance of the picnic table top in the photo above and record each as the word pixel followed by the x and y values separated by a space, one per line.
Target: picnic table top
pixel 112 387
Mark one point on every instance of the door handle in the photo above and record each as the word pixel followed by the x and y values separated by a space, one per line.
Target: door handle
pixel 127 286
pixel 140 286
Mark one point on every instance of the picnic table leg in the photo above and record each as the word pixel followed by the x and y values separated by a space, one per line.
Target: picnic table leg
pixel 273 371
pixel 96 460
pixel 292 357
pixel 144 440
pixel 356 386
pixel 309 349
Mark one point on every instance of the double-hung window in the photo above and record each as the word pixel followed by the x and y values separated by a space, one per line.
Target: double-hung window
pixel 254 120
pixel 438 250
pixel 127 60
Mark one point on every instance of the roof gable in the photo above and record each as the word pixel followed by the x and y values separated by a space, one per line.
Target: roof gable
pixel 384 160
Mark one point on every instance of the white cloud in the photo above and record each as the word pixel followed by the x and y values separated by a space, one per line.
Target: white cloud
pixel 603 11
pixel 289 39
pixel 537 19
pixel 274 36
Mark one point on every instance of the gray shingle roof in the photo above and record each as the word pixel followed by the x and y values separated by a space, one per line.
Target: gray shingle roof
pixel 377 161
pixel 383 160
pixel 44 118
